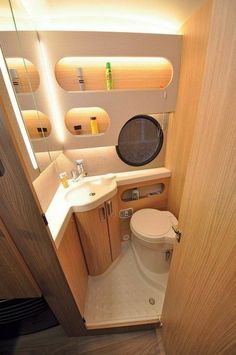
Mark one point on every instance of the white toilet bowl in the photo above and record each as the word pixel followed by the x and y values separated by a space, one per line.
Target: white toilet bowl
pixel 153 237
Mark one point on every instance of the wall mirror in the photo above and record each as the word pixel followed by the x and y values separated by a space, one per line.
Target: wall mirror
pixel 140 140
pixel 25 76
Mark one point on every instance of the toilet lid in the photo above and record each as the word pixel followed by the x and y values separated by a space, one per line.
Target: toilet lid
pixel 150 222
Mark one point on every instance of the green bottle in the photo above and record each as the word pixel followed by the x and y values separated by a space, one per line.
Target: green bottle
pixel 109 76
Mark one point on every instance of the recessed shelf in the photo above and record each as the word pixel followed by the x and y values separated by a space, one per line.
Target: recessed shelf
pixel 149 191
pixel 128 73
pixel 77 120
pixel 37 123
pixel 24 75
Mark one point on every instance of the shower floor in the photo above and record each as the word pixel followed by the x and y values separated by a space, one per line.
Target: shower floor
pixel 122 293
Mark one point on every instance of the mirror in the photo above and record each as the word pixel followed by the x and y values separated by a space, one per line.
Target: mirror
pixel 20 46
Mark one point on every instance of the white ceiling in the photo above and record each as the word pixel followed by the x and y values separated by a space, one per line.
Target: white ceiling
pixel 147 16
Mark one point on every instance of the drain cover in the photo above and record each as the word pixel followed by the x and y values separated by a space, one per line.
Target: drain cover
pixel 152 301
pixel 92 193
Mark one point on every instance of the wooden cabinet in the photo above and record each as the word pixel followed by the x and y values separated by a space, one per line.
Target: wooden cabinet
pixel 72 260
pixel 100 235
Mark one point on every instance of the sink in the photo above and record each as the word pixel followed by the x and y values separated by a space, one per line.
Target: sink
pixel 86 195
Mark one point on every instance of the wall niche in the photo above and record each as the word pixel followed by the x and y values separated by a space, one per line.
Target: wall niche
pixel 78 121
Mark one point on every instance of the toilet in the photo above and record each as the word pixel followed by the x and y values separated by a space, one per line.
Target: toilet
pixel 153 238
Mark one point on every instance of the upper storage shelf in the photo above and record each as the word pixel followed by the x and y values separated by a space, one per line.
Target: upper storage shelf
pixel 128 73
pixel 24 75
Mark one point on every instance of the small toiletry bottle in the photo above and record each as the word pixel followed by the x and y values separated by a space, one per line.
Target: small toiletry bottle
pixel 15 79
pixel 94 125
pixel 109 76
pixel 135 194
pixel 78 129
pixel 80 78
pixel 64 180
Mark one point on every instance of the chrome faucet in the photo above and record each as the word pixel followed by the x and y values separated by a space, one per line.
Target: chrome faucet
pixel 78 173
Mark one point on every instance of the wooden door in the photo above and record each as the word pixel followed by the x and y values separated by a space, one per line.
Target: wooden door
pixel 199 315
pixel 94 237
pixel 21 214
pixel 16 279
pixel 114 226
pixel 72 260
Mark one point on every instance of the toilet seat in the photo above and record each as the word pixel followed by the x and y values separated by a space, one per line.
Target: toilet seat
pixel 153 226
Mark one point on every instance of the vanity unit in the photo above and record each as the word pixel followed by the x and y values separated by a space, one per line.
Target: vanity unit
pixel 99 231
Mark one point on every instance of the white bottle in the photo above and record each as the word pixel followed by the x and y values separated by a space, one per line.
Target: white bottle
pixel 80 78
pixel 135 194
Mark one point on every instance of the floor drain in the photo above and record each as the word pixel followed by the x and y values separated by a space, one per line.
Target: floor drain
pixel 152 301
pixel 92 194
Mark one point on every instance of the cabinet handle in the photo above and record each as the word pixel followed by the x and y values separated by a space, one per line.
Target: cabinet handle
pixel 109 208
pixel 102 214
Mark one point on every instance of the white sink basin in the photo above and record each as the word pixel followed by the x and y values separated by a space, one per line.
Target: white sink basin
pixel 86 195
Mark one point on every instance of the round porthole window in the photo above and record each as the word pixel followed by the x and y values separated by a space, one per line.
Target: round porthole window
pixel 140 140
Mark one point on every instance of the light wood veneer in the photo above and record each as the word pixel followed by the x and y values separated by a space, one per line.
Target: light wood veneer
pixel 128 74
pixel 182 122
pixel 72 260
pixel 99 231
pixel 94 236
pixel 199 315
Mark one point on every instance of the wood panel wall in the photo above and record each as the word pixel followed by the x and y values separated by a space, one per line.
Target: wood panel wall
pixel 199 314
pixel 182 122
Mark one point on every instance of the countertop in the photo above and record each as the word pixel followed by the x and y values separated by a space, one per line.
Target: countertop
pixel 59 211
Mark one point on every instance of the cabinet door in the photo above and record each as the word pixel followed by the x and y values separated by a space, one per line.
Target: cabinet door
pixel 95 239
pixel 71 258
pixel 114 226
pixel 16 279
